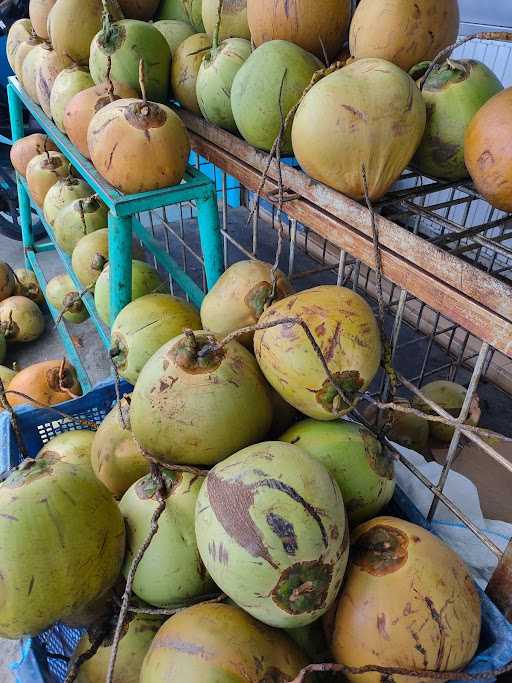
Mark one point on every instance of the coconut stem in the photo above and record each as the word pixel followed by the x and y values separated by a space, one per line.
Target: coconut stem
pixel 502 36
pixel 156 473
pixel 209 599
pixel 113 353
pixel 142 83
pixel 83 423
pixel 216 32
pixel 110 85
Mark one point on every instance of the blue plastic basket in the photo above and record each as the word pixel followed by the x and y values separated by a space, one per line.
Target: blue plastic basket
pixel 37 665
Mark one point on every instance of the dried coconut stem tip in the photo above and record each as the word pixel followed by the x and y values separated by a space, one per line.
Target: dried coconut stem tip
pixel 110 85
pixel 501 36
pixel 142 81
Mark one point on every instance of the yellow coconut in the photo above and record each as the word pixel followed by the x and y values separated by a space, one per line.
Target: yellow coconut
pixel 43 171
pixel 48 68
pixel 25 149
pixel 22 52
pixel 372 114
pixel 185 68
pixel 239 297
pixel 81 109
pixel 64 192
pixel 30 67
pixel 19 32
pixel 38 11
pixel 138 146
pixel 233 22
pixel 407 600
pixel 318 27
pixel 403 32
pixel 48 383
pixel 67 84
pixel 345 329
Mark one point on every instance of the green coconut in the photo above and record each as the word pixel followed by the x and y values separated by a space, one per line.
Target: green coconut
pixel 450 397
pixel 90 256
pixel 171 570
pixel 69 447
pixel 239 649
pixel 144 326
pixel 7 281
pixel 453 95
pixel 354 458
pixel 7 375
pixel 72 24
pixel 77 219
pixel 63 193
pixel 215 80
pixel 68 83
pixel 273 68
pixel 173 9
pixel 62 542
pixel 27 285
pixel 145 280
pixel 272 531
pixel 195 406
pixel 116 458
pixel 234 19
pixel 174 32
pixel 346 331
pixel 185 69
pixel 133 646
pixel 21 319
pixel 3 347
pixel 125 43
pixel 62 294
pixel 19 31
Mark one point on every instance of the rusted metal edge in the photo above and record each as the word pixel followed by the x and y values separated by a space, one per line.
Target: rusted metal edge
pixel 474 284
pixel 455 303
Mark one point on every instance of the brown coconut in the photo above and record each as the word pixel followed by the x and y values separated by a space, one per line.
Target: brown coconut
pixel 402 31
pixel 314 26
pixel 49 383
pixel 139 9
pixel 24 49
pixel 488 150
pixel 19 32
pixel 48 68
pixel 38 11
pixel 81 109
pixel 25 149
pixel 43 171
pixel 407 601
pixel 239 298
pixel 138 146
pixel 185 68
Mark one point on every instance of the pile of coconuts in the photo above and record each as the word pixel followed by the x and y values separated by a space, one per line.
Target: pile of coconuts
pixel 287 524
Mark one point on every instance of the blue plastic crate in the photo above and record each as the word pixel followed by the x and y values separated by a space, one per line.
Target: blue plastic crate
pixel 37 665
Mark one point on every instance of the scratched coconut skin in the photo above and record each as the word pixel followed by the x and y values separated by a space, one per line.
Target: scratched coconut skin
pixel 179 411
pixel 346 331
pixel 272 513
pixel 415 598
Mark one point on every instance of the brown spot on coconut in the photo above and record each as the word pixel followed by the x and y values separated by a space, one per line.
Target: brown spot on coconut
pixel 19 31
pixel 407 600
pixel 290 363
pixel 25 149
pixel 68 83
pixel 239 297
pixel 48 68
pixel 43 171
pixel 49 383
pixel 21 319
pixel 138 146
pixel 315 26
pixel 185 68
pixel 38 11
pixel 218 642
pixel 414 31
pixel 22 52
pixel 81 109
pixel 116 457
pixel 63 193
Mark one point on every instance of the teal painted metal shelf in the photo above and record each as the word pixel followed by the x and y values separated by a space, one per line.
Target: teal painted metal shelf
pixel 122 225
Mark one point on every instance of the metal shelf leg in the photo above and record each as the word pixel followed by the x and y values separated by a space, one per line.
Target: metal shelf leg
pixel 18 131
pixel 120 262
pixel 210 236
